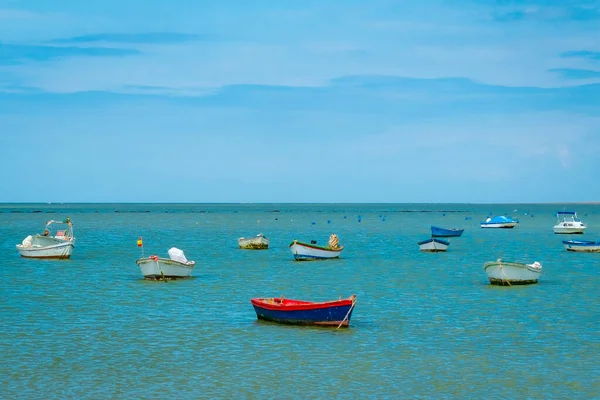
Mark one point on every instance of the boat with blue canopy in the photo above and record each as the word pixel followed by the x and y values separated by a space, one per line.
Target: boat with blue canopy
pixel 500 221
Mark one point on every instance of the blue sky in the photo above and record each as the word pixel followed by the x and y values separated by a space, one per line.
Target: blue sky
pixel 299 101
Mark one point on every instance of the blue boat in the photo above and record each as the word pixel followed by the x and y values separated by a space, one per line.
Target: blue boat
pixel 587 246
pixel 443 232
pixel 297 312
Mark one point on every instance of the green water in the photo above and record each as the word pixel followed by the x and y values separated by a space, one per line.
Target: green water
pixel 425 325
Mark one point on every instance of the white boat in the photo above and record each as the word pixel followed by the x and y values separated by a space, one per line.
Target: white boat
pixel 258 242
pixel 434 245
pixel 304 251
pixel 587 246
pixel 52 243
pixel 568 223
pixel 175 267
pixel 512 273
pixel 499 222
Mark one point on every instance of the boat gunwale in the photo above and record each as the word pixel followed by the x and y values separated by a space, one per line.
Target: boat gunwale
pixel 436 231
pixel 270 303
pixel 511 264
pixel 145 260
pixel 434 239
pixel 312 246
pixel 582 242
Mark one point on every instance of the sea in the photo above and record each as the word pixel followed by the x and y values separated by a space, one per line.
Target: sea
pixel 425 325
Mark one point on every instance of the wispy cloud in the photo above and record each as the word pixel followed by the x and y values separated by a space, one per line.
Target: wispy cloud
pixel 135 38
pixel 16 53
pixel 166 90
pixel 545 13
pixel 12 13
pixel 574 73
pixel 590 55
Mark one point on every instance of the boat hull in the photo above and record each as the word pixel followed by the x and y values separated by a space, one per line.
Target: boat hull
pixel 46 247
pixel 584 246
pixel 306 252
pixel 433 245
pixel 254 243
pixel 572 230
pixel 505 225
pixel 442 232
pixel 164 268
pixel 512 273
pixel 336 313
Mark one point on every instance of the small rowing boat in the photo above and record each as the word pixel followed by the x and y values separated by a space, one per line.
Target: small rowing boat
pixel 298 312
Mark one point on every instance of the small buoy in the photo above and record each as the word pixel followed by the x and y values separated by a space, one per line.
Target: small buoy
pixel 313 223
pixel 345 217
pixel 444 214
pixel 258 220
pixel 328 221
pixel 276 219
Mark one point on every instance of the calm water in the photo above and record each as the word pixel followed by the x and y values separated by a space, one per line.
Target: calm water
pixel 424 326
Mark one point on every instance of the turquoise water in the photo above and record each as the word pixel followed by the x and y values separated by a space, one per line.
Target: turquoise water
pixel 425 325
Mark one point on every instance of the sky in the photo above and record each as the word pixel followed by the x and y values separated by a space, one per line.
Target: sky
pixel 266 101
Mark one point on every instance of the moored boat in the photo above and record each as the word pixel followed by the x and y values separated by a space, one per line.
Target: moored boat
pixel 443 232
pixel 586 246
pixel 52 243
pixel 434 245
pixel 298 312
pixel 305 251
pixel 512 273
pixel 500 221
pixel 258 242
pixel 568 223
pixel 175 267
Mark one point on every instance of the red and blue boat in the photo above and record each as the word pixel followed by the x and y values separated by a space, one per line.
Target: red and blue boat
pixel 298 312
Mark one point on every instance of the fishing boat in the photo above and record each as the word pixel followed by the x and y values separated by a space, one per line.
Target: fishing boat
pixel 175 267
pixel 297 312
pixel 56 241
pixel 443 232
pixel 512 273
pixel 258 242
pixel 434 245
pixel 587 246
pixel 305 251
pixel 500 221
pixel 568 223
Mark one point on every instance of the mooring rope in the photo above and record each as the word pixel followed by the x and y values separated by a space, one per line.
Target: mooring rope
pixel 162 274
pixel 502 271
pixel 348 313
